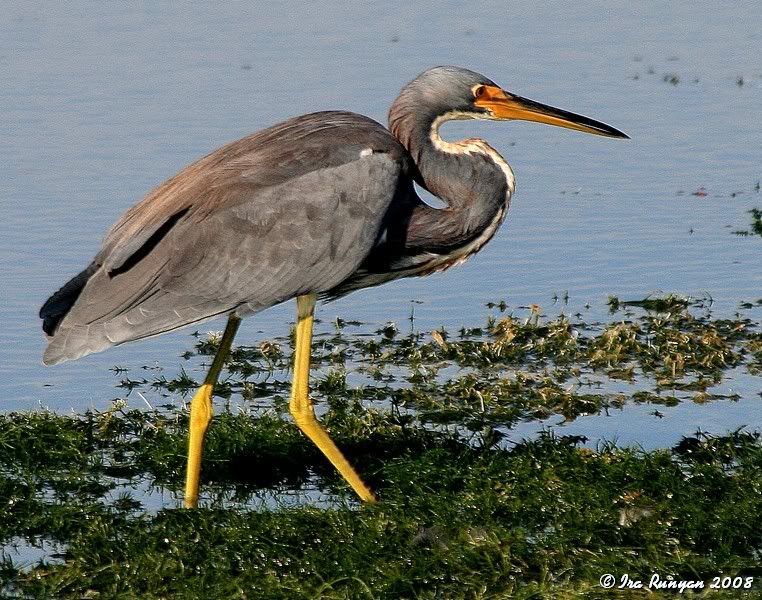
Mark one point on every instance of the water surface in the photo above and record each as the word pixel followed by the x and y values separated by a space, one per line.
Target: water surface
pixel 101 102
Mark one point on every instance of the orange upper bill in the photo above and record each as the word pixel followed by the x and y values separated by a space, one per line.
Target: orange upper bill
pixel 504 106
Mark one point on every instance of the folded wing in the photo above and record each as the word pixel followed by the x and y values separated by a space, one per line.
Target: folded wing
pixel 292 210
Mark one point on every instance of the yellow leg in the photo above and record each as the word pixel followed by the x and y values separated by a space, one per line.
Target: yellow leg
pixel 201 413
pixel 301 405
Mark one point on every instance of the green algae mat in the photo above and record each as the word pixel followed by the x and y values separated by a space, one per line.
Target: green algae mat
pixel 90 503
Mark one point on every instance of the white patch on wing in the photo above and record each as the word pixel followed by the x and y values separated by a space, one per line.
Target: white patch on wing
pixel 366 152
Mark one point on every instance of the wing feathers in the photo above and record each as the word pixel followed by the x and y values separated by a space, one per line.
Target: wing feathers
pixel 239 247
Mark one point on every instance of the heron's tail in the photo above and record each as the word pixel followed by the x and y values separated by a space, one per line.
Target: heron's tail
pixel 55 309
pixel 58 305
pixel 95 311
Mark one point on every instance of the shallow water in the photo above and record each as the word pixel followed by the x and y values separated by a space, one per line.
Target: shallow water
pixel 102 102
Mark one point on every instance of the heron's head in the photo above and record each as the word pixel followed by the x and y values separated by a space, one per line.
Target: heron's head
pixel 450 93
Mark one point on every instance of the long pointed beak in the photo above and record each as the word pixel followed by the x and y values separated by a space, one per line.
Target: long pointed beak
pixel 504 106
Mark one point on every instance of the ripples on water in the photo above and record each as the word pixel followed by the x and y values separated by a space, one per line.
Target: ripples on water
pixel 102 102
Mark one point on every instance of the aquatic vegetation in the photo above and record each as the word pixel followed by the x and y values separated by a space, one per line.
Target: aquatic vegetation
pixel 756 223
pixel 545 517
pixel 425 416
pixel 519 365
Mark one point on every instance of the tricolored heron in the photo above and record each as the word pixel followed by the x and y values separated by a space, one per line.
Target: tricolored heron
pixel 317 206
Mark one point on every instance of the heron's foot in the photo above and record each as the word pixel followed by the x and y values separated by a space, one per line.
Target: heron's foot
pixel 304 416
pixel 200 417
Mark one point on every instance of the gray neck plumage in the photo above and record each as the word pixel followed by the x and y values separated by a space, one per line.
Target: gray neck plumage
pixel 470 176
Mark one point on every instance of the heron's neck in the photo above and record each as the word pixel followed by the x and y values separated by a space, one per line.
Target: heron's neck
pixel 470 176
pixel 475 155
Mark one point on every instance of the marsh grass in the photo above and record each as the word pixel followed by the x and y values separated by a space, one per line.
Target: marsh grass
pixel 463 513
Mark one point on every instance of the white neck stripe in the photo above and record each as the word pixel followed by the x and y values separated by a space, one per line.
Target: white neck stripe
pixel 471 145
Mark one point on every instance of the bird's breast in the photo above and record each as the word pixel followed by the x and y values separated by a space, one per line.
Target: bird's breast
pixel 442 262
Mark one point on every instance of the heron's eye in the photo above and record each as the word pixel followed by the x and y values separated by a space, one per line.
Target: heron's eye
pixel 479 91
